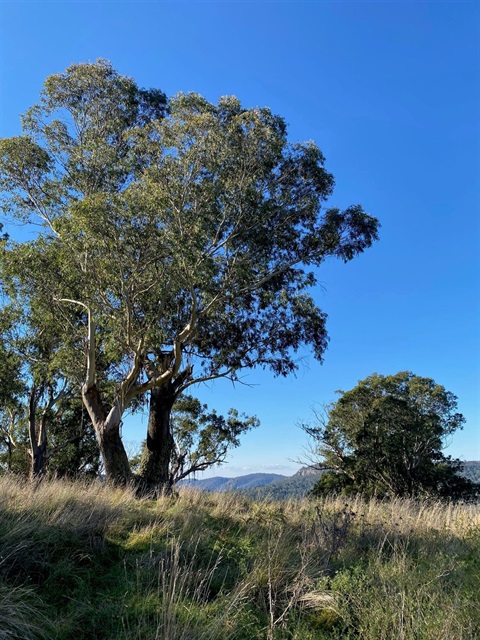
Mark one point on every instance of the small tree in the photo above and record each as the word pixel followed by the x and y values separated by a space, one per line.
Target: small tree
pixel 385 437
pixel 200 439
pixel 41 416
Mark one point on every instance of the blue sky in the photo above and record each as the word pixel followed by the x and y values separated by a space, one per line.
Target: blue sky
pixel 390 91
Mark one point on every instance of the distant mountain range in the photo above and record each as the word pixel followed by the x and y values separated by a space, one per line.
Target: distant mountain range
pixel 259 485
pixel 279 487
pixel 471 470
pixel 241 483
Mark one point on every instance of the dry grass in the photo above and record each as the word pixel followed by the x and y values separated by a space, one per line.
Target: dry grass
pixel 100 563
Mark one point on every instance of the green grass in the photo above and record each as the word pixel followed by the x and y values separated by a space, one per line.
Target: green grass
pixel 91 562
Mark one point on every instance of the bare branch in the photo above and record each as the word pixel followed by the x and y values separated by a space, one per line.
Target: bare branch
pixel 91 364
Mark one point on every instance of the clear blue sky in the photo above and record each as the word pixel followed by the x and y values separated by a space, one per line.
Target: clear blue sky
pixel 390 91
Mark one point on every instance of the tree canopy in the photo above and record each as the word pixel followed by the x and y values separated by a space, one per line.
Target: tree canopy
pixel 178 238
pixel 385 437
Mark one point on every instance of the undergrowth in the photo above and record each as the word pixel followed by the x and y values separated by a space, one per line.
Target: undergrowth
pixel 92 562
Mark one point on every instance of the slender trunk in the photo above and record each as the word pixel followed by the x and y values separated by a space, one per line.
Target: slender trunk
pixel 154 472
pixel 10 441
pixel 37 469
pixel 38 439
pixel 9 455
pixel 107 431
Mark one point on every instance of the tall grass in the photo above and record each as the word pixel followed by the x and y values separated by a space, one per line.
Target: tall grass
pixel 184 609
pixel 91 562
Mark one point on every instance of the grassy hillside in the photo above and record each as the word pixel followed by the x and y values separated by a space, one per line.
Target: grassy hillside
pixel 95 563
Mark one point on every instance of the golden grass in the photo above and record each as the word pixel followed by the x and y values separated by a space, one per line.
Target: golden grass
pixel 217 566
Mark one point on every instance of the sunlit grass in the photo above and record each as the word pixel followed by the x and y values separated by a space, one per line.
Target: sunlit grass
pixel 92 562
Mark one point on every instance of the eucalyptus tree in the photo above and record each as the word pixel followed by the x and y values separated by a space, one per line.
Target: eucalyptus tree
pixel 186 237
pixel 76 155
pixel 47 439
pixel 12 388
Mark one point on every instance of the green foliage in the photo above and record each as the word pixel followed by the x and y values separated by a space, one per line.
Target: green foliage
pixel 175 238
pixel 203 438
pixel 40 414
pixel 385 437
pixel 73 449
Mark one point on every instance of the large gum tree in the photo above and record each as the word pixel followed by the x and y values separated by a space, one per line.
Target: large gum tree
pixel 185 236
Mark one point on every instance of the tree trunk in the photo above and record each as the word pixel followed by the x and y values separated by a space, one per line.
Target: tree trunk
pixel 38 439
pixel 107 430
pixel 38 462
pixel 9 454
pixel 114 456
pixel 154 472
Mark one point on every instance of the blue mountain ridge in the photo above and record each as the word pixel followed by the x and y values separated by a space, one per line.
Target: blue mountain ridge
pixel 240 483
pixel 280 487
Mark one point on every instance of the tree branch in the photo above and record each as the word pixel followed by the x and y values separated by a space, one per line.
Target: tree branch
pixel 91 364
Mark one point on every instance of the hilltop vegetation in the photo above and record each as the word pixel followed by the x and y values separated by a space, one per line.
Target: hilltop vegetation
pixel 260 486
pixel 385 437
pixel 91 562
